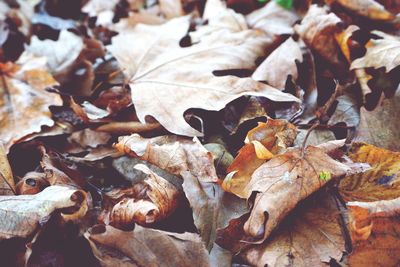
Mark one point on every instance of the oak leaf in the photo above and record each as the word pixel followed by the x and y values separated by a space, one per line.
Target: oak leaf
pixel 145 247
pixel 160 80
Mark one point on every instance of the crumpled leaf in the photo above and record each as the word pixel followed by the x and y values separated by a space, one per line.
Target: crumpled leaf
pixel 373 228
pixel 273 19
pixel 172 154
pixel 310 236
pixel 24 101
pixel 23 214
pixel 274 136
pixel 146 247
pixel 7 184
pixel 368 8
pixel 89 138
pixel 381 182
pixel 380 53
pixel 170 77
pixel 280 64
pixel 317 30
pixel 380 126
pixel 145 203
pixel 282 182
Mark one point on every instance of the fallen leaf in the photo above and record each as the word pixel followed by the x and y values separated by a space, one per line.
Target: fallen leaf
pixel 317 30
pixel 346 111
pixel 23 214
pixel 310 236
pixel 275 136
pixel 282 182
pixel 145 247
pixel 380 126
pixel 280 64
pixel 25 102
pixel 150 65
pixel 171 8
pixel 172 154
pixel 273 19
pixel 368 8
pixel 373 228
pixel 148 202
pixel 32 183
pixel 381 182
pixel 316 137
pixel 7 184
pixel 382 52
pixel 89 138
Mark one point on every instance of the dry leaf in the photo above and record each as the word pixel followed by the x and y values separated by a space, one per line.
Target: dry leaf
pixel 373 228
pixel 25 102
pixel 161 80
pixel 146 247
pixel 274 136
pixel 284 181
pixel 310 236
pixel 316 137
pixel 23 214
pixel 368 8
pixel 172 154
pixel 280 64
pixel 171 8
pixel 89 138
pixel 381 126
pixel 273 19
pixel 32 183
pixel 346 111
pixel 317 30
pixel 7 184
pixel 380 53
pixel 149 202
pixel 381 182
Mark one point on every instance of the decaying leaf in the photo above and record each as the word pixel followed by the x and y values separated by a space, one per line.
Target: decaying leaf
pixel 382 52
pixel 373 228
pixel 32 183
pixel 146 247
pixel 158 88
pixel 7 184
pixel 346 111
pixel 145 203
pixel 368 8
pixel 381 182
pixel 380 126
pixel 173 154
pixel 310 236
pixel 262 142
pixel 89 138
pixel 24 101
pixel 280 64
pixel 285 180
pixel 23 214
pixel 317 30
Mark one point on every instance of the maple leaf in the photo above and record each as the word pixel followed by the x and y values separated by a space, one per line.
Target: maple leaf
pixel 285 180
pixel 24 101
pixel 146 247
pixel 160 81
pixel 382 52
pixel 23 214
pixel 310 236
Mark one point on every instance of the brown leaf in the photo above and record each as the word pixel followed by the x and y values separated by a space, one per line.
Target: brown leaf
pixel 346 111
pixel 310 236
pixel 284 181
pixel 23 214
pixel 146 247
pixel 32 183
pixel 173 154
pixel 373 228
pixel 380 126
pixel 273 19
pixel 25 102
pixel 316 137
pixel 89 138
pixel 317 30
pixel 368 8
pixel 381 182
pixel 274 136
pixel 160 80
pixel 382 52
pixel 280 64
pixel 7 184
pixel 150 202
